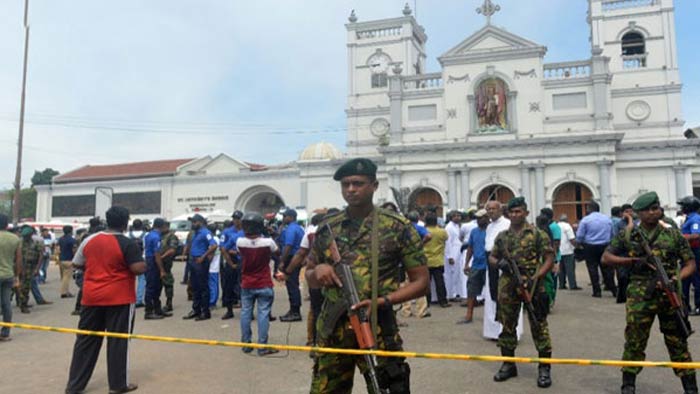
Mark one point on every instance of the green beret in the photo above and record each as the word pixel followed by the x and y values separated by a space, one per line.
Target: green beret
pixel 517 202
pixel 645 201
pixel 359 166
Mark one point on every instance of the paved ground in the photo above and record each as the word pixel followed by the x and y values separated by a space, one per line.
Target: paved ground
pixel 582 327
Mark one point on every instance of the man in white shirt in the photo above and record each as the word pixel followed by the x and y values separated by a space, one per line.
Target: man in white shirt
pixel 455 280
pixel 567 269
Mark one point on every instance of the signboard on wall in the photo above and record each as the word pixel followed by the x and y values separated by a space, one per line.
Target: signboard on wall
pixel 203 203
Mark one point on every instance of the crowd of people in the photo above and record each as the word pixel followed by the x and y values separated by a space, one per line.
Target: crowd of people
pixel 487 257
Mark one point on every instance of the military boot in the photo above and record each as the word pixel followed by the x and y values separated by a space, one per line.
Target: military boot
pixel 628 383
pixel 690 384
pixel 508 369
pixel 150 312
pixel 544 377
pixel 158 310
pixel 168 305
pixel 229 314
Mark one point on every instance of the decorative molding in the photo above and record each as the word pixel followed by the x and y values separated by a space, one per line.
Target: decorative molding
pixel 648 125
pixel 423 129
pixel 567 83
pixel 646 90
pixel 535 107
pixel 570 118
pixel 495 55
pixel 532 74
pixel 638 111
pixel 451 113
pixel 464 78
pixel 377 111
pixel 425 93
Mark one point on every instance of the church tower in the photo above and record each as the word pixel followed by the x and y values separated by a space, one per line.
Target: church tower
pixel 639 38
pixel 378 50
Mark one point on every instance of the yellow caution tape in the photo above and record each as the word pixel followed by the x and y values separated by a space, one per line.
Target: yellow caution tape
pixel 358 352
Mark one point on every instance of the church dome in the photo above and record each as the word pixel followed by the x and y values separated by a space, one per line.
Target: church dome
pixel 320 151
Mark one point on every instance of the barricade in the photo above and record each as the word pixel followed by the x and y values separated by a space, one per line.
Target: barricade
pixel 357 352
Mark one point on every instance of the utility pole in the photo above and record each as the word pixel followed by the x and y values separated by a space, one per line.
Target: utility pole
pixel 20 138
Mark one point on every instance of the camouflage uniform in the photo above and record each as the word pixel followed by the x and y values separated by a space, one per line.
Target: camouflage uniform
pixel 643 306
pixel 31 254
pixel 527 249
pixel 398 241
pixel 168 241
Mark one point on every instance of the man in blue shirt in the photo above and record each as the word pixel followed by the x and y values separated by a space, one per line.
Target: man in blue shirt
pixel 594 233
pixel 202 247
pixel 67 249
pixel 691 231
pixel 290 239
pixel 154 272
pixel 230 265
pixel 476 253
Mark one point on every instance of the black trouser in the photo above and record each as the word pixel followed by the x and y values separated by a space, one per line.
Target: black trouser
pixel 316 296
pixel 229 285
pixel 199 278
pixel 593 254
pixel 293 291
pixel 493 279
pixel 118 318
pixel 623 280
pixel 438 275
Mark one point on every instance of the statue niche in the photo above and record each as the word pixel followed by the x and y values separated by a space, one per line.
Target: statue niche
pixel 491 105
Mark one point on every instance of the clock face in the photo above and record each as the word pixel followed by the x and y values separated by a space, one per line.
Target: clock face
pixel 379 127
pixel 379 63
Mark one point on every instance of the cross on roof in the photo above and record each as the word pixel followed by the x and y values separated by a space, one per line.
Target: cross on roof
pixel 488 9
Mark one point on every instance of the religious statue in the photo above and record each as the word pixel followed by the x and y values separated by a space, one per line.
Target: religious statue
pixel 491 104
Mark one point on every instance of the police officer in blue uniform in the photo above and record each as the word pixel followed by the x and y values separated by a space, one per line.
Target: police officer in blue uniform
pixel 154 272
pixel 202 247
pixel 230 265
pixel 691 231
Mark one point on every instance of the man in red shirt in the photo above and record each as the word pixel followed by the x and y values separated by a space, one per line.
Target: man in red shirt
pixel 256 279
pixel 110 262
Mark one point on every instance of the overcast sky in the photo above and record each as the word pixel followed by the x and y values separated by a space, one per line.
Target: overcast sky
pixel 131 80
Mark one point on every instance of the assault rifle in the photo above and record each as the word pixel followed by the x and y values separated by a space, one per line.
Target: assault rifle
pixel 679 312
pixel 521 288
pixel 358 317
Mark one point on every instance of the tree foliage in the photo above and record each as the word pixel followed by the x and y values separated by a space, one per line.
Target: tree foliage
pixel 43 177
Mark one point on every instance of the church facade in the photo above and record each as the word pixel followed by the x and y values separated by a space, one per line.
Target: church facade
pixel 494 122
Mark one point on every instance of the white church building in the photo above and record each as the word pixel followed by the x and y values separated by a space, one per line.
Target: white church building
pixel 494 122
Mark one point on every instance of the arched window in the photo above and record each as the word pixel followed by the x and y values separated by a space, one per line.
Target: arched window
pixel 495 192
pixel 633 50
pixel 570 199
pixel 426 199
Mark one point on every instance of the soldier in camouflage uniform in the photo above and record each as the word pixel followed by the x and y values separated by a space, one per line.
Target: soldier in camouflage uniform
pixel 31 254
pixel 168 248
pixel 645 301
pixel 352 230
pixel 531 250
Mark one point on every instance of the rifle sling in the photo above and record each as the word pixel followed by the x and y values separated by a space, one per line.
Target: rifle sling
pixel 374 256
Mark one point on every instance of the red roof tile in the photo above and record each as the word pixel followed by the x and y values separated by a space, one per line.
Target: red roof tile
pixel 121 171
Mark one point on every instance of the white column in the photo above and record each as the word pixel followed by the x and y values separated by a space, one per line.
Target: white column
pixel 464 186
pixel 395 96
pixel 680 178
pixel 395 178
pixel 539 188
pixel 304 194
pixel 605 190
pixel 525 182
pixel 452 188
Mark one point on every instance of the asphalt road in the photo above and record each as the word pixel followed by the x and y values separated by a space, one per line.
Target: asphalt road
pixel 581 327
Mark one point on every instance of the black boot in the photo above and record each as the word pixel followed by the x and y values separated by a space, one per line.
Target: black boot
pixel 229 314
pixel 690 384
pixel 508 369
pixel 158 310
pixel 544 377
pixel 628 383
pixel 168 305
pixel 150 312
